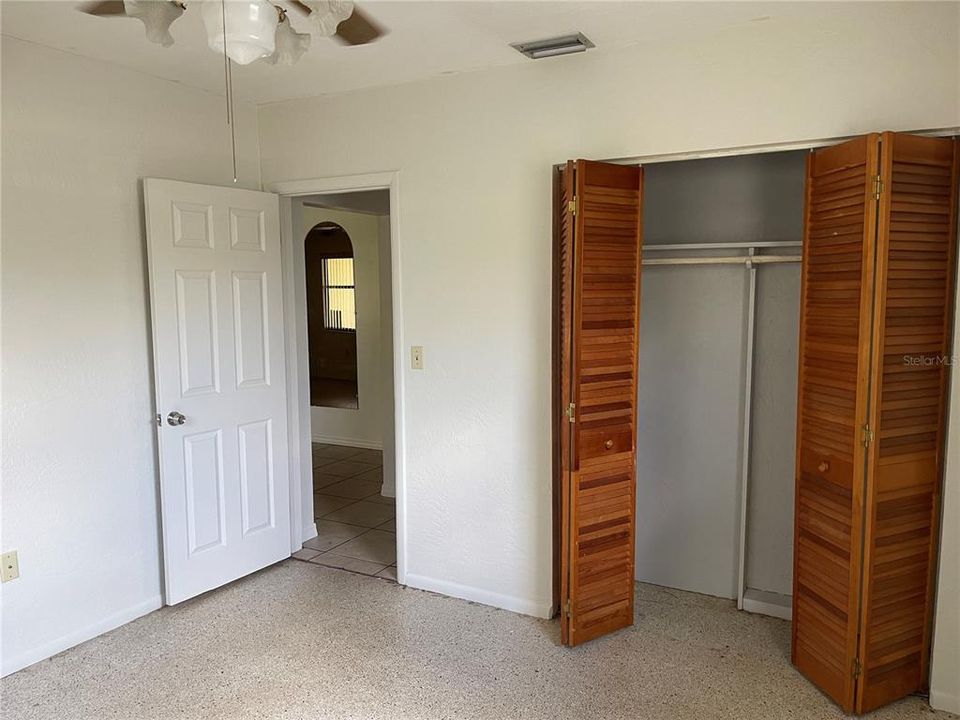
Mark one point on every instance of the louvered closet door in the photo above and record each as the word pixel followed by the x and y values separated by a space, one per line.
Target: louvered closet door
pixel 597 542
pixel 564 225
pixel 836 295
pixel 915 268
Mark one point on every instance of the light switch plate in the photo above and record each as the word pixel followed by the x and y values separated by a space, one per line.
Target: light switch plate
pixel 416 357
pixel 10 569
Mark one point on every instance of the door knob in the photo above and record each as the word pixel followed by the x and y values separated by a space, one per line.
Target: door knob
pixel 823 466
pixel 608 444
pixel 176 418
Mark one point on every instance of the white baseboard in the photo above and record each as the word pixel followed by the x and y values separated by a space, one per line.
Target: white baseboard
pixel 309 532
pixel 950 702
pixel 348 442
pixel 47 650
pixel 763 602
pixel 388 491
pixel 537 608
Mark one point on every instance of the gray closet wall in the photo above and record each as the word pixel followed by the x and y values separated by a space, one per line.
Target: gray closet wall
pixel 774 428
pixel 692 376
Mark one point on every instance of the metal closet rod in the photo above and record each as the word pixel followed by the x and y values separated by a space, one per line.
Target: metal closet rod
pixel 747 260
pixel 724 246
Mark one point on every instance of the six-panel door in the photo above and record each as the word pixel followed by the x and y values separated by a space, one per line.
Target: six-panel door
pixel 215 291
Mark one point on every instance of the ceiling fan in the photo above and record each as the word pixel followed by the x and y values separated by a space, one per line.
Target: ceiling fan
pixel 249 30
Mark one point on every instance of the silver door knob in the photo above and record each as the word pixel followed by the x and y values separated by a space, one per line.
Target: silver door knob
pixel 176 418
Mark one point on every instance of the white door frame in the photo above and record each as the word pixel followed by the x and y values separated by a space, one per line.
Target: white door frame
pixel 301 473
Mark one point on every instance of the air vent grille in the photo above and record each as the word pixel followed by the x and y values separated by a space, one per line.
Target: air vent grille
pixel 552 47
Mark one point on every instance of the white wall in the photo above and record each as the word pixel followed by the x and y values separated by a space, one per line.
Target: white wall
pixel 474 153
pixel 79 489
pixel 386 358
pixel 361 426
pixel 945 667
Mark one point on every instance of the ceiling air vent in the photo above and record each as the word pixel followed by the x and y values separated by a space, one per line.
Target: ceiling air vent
pixel 552 47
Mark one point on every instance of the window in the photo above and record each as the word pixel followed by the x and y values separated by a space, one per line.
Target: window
pixel 339 295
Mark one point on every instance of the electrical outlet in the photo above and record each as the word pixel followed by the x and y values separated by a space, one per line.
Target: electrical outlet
pixel 10 569
pixel 416 357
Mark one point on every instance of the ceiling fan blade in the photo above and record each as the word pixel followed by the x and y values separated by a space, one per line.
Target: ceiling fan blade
pixel 358 29
pixel 104 8
pixel 300 7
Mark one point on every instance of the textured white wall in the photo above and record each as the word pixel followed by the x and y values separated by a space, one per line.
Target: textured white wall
pixel 386 359
pixel 79 486
pixel 474 153
pixel 945 668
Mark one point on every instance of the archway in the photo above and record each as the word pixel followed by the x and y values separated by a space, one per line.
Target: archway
pixel 331 316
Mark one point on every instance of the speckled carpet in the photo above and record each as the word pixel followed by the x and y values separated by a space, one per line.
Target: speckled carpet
pixel 303 641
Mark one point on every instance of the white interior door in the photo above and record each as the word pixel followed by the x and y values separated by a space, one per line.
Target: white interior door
pixel 215 292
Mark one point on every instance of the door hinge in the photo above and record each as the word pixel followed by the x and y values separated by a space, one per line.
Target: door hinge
pixel 159 419
pixel 857 668
pixel 566 608
pixel 877 187
pixel 572 206
pixel 571 412
pixel 867 436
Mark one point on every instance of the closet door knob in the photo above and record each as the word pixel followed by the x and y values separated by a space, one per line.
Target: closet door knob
pixel 823 466
pixel 608 444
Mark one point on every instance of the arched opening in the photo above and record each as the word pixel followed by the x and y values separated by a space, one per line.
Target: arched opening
pixel 331 316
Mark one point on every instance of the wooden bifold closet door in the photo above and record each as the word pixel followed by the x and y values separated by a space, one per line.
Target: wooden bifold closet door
pixel 876 311
pixel 597 311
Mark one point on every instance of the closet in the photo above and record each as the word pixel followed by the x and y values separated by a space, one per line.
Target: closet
pixel 727 472
pixel 717 376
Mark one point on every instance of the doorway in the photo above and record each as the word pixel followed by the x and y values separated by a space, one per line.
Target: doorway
pixel 342 331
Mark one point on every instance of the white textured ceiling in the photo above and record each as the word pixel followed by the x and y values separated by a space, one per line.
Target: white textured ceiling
pixel 425 39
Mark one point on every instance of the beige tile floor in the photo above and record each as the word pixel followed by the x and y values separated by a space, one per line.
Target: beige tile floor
pixel 356 525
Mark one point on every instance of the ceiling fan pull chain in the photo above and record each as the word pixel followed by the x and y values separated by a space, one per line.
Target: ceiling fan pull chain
pixel 228 82
pixel 226 60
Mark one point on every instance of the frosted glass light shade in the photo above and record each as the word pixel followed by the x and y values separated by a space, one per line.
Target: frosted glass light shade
pixel 328 14
pixel 157 17
pixel 251 28
pixel 290 45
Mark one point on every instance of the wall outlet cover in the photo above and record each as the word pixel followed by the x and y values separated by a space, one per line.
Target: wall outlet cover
pixel 9 566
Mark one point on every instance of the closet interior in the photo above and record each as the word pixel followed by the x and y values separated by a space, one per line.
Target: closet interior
pixel 718 376
pixel 787 315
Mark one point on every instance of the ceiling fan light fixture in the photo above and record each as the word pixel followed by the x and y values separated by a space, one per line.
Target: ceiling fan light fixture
pixel 290 45
pixel 328 14
pixel 251 28
pixel 157 17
